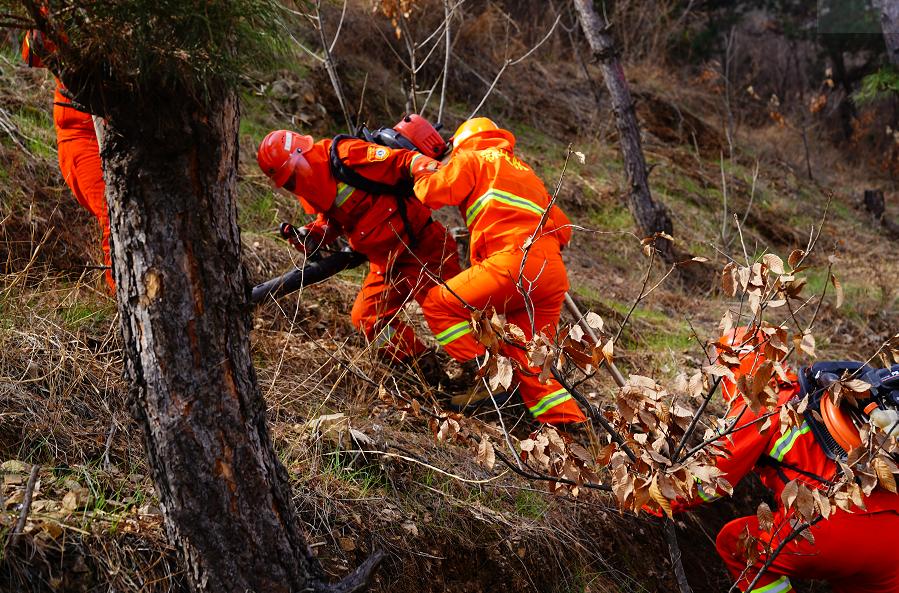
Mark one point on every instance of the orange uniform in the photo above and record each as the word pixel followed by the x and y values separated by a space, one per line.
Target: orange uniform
pixel 502 201
pixel 79 157
pixel 855 552
pixel 403 244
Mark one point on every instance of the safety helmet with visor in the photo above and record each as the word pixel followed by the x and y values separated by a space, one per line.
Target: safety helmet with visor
pixel 281 156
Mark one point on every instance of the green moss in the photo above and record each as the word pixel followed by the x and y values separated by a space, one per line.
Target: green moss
pixel 588 293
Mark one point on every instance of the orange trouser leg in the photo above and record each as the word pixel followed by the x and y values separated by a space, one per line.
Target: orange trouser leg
pixel 383 294
pixel 493 282
pixel 855 553
pixel 82 170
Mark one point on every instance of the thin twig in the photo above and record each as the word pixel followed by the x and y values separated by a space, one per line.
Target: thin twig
pixel 533 475
pixel 330 66
pixel 423 463
pixel 676 561
pixel 733 430
pixel 26 506
pixel 595 413
pixel 510 62
pixel 695 420
pixel 448 14
pixel 630 312
pixel 773 556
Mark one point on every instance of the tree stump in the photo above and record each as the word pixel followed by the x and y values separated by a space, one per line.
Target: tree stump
pixel 874 202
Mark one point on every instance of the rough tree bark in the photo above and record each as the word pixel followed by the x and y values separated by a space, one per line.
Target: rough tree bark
pixel 170 168
pixel 170 156
pixel 651 216
pixel 889 23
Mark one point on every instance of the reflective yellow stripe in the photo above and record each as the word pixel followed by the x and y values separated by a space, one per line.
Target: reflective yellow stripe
pixel 781 585
pixel 503 197
pixel 412 164
pixel 783 445
pixel 453 333
pixel 384 336
pixel 344 192
pixel 550 401
pixel 702 494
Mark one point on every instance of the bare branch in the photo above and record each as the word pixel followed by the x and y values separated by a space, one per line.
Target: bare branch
pixel 448 52
pixel 510 62
pixel 676 561
pixel 331 68
pixel 594 413
pixel 640 297
pixel 773 556
pixel 339 26
pixel 26 506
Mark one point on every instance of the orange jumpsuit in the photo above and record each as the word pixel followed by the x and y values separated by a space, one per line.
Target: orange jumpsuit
pixel 855 552
pixel 79 157
pixel 502 202
pixel 374 225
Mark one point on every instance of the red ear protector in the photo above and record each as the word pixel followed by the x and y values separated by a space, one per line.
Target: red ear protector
pixel 842 422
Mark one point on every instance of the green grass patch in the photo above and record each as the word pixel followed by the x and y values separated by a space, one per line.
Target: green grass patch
pixel 82 314
pixel 610 217
pixel 36 126
pixel 365 478
pixel 639 313
pixel 677 340
pixel 530 504
pixel 258 212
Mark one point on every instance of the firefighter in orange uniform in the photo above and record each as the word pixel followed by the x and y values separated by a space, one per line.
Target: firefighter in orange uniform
pixel 855 552
pixel 405 247
pixel 502 201
pixel 78 149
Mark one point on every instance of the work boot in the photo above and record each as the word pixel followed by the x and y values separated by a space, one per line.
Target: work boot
pixel 581 433
pixel 428 364
pixel 477 396
pixel 462 376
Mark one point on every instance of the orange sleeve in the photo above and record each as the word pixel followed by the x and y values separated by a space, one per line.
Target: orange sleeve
pixel 375 162
pixel 562 224
pixel 449 185
pixel 742 450
pixel 324 231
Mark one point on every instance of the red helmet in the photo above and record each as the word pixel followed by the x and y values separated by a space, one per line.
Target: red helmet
pixel 422 134
pixel 280 156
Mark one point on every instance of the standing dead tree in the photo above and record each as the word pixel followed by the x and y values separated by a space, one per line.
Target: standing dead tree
pixel 889 23
pixel 170 152
pixel 651 217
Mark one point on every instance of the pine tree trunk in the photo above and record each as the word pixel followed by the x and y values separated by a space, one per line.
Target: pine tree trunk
pixel 889 23
pixel 171 167
pixel 651 217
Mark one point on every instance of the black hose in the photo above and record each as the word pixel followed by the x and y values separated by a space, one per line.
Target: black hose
pixel 312 273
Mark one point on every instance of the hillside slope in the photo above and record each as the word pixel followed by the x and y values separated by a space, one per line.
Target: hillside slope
pixel 368 470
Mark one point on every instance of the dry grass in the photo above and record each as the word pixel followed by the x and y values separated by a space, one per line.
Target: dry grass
pixel 447 523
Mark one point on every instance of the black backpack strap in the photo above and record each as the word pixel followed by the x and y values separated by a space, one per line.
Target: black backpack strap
pixel 345 173
pixel 401 191
pixel 779 466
